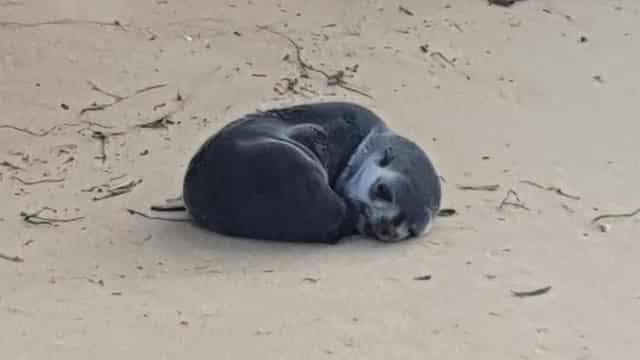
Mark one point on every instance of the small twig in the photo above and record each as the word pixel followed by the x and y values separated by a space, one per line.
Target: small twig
pixel 161 123
pixel 164 121
pixel 95 107
pixel 91 188
pixel 478 187
pixel 342 84
pixel 447 212
pixel 97 124
pixel 168 208
pixel 118 190
pixel 65 21
pixel 517 204
pixel 36 219
pixel 135 212
pixel 444 61
pixel 611 216
pixel 149 88
pixel 27 131
pixel 111 194
pixel 439 55
pixel 103 137
pixel 10 165
pixel 103 144
pixel 118 177
pixel 505 3
pixel 16 259
pixel 536 292
pixel 116 98
pixel 102 187
pixel 556 190
pixel 35 182
pixel 158 106
pixel 405 11
pixel 176 199
pixel 95 87
pixel 97 282
pixel 423 277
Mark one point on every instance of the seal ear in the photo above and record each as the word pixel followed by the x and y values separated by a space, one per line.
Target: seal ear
pixel 386 158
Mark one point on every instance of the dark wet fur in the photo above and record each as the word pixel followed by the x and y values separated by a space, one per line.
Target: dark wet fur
pixel 271 175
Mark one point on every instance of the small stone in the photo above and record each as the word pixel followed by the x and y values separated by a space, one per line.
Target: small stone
pixel 604 227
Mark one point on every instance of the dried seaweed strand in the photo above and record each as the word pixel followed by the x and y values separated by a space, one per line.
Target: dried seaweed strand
pixel 612 216
pixel 555 189
pixel 27 131
pixel 336 79
pixel 35 182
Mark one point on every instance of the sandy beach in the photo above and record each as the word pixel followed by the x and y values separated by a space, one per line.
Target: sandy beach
pixel 529 113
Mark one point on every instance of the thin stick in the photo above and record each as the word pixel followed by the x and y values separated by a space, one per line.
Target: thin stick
pixel 111 194
pixel 479 187
pixel 447 212
pixel 97 124
pixel 116 98
pixel 135 212
pixel 610 216
pixel 65 21
pixel 517 204
pixel 35 182
pixel 162 122
pixel 36 219
pixel 536 292
pixel 27 131
pixel 556 190
pixel 95 107
pixel 119 190
pixel 95 87
pixel 103 144
pixel 168 208
pixel 103 137
pixel 11 166
pixel 439 55
pixel 16 259
pixel 149 88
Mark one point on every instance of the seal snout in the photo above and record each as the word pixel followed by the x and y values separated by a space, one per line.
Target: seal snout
pixel 384 230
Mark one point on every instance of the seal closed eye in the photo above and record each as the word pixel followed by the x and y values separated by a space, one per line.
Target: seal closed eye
pixel 315 172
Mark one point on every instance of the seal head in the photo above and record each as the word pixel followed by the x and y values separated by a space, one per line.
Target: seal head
pixel 392 186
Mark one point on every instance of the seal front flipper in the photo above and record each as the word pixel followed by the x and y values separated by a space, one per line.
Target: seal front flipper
pixel 314 138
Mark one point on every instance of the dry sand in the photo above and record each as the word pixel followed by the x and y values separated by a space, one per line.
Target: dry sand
pixel 500 96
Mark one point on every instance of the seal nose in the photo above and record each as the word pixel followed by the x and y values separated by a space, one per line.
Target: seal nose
pixel 385 230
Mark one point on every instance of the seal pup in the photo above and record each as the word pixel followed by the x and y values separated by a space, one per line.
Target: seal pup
pixel 312 173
